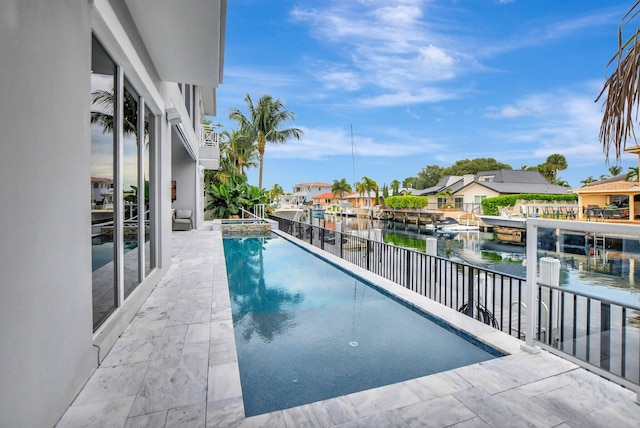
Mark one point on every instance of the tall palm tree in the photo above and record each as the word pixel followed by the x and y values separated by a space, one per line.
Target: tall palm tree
pixel 556 162
pixel 621 88
pixel 633 174
pixel 265 117
pixel 368 185
pixel 340 188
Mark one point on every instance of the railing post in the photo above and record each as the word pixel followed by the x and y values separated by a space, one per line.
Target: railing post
pixel 338 235
pixel 432 253
pixel 605 335
pixel 470 292
pixel 531 287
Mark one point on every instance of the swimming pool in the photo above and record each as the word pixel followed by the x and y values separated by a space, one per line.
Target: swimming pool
pixel 307 330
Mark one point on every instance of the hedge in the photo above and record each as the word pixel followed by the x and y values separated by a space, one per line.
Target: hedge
pixel 407 201
pixel 491 206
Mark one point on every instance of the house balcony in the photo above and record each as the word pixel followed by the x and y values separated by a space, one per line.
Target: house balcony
pixel 209 148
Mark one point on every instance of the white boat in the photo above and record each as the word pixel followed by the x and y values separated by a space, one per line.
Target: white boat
pixel 452 225
pixel 295 213
pixel 317 211
pixel 504 221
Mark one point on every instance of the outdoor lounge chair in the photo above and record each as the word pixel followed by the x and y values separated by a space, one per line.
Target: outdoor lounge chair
pixel 182 220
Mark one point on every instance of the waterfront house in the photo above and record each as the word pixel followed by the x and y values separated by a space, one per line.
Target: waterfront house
pixel 326 199
pixel 612 199
pixel 467 192
pixel 303 193
pixel 95 73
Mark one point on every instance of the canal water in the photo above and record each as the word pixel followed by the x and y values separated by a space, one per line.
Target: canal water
pixel 596 273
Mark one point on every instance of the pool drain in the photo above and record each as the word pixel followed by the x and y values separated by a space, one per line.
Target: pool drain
pixel 354 344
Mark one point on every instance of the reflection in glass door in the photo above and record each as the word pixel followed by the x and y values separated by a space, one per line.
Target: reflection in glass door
pixel 103 72
pixel 130 187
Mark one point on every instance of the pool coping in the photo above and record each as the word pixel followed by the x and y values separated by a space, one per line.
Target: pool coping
pixel 225 404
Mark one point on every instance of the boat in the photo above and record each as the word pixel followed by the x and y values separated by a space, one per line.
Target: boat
pixel 290 212
pixel 504 221
pixel 449 224
pixel 317 211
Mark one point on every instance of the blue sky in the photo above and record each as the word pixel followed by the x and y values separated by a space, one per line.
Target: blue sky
pixel 423 82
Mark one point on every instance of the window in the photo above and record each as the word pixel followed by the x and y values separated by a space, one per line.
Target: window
pixel 103 250
pixel 123 210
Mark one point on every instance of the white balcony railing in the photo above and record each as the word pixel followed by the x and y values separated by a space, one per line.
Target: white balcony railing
pixel 209 150
pixel 208 136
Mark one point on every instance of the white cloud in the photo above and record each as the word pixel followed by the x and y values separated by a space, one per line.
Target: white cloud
pixel 326 143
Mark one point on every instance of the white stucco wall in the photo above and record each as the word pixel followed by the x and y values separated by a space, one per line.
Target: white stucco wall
pixel 47 345
pixel 46 351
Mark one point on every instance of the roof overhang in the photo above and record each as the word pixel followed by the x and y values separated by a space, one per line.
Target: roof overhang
pixel 185 38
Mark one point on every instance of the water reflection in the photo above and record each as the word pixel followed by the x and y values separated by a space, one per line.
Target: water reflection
pixel 258 308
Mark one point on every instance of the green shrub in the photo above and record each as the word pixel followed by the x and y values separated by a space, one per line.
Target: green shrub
pixel 491 206
pixel 406 201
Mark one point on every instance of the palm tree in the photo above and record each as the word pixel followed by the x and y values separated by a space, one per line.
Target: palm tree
pixel 340 188
pixel 240 150
pixel 367 186
pixel 615 170
pixel 622 90
pixel 587 180
pixel 265 117
pixel 276 190
pixel 446 194
pixel 556 162
pixel 633 174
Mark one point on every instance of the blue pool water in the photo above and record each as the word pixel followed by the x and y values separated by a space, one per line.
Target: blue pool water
pixel 306 330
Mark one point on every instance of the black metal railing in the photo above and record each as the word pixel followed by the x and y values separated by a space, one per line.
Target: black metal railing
pixel 601 335
pixel 590 329
pixel 483 294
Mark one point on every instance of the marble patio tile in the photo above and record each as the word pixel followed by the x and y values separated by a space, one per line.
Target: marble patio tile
pixel 476 422
pixel 388 419
pixel 198 333
pixel 502 341
pixel 308 415
pixel 267 420
pixel 108 414
pixel 110 382
pixel 150 420
pixel 129 351
pixel 221 313
pixel 225 413
pixel 543 364
pixel 620 414
pixel 189 315
pixel 340 409
pixel 437 385
pixel 221 330
pixel 224 382
pixel 382 399
pixel 144 329
pixel 222 351
pixel 583 393
pixel 192 416
pixel 508 409
pixel 491 378
pixel 174 382
pixel 437 412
